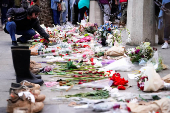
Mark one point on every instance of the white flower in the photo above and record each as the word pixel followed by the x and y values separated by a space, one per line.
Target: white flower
pixel 134 101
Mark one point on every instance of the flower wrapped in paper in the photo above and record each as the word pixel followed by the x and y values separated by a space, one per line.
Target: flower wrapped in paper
pixel 150 80
pixel 116 50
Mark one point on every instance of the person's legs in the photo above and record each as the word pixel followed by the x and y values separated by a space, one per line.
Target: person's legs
pixel 64 14
pixel 11 28
pixel 55 17
pixel 107 11
pixel 3 14
pixel 76 14
pixel 58 17
pixel 124 13
pixel 26 34
pixel 166 28
pixel 82 11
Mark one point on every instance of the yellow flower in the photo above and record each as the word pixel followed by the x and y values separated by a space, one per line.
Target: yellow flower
pixel 147 44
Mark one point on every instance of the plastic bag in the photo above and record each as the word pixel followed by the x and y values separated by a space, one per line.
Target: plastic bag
pixel 123 64
pixel 154 82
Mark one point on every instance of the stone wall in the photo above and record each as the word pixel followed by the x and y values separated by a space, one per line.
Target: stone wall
pixel 46 14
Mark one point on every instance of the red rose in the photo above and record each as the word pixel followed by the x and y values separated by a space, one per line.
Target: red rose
pixel 128 108
pixel 80 73
pixel 121 87
pixel 92 63
pixel 66 54
pixel 52 51
pixel 69 60
pixel 75 76
pixel 91 59
pixel 109 29
pixel 35 40
pixel 142 88
pixel 80 83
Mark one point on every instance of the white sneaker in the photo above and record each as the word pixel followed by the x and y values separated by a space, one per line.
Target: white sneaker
pixel 165 46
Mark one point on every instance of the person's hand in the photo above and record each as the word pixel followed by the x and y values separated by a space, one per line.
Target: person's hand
pixel 116 3
pixel 9 19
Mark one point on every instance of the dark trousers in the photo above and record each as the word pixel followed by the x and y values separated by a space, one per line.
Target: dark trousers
pixel 56 17
pixel 3 14
pixel 76 12
pixel 81 12
pixel 26 34
pixel 167 24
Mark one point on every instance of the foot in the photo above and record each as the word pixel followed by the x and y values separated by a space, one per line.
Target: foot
pixel 14 43
pixel 165 46
pixel 19 40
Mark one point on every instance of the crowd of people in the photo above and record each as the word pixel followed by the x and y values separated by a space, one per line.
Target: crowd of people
pixel 63 11
pixel 66 8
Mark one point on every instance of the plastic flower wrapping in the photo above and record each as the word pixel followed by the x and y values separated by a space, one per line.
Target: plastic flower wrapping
pixel 144 51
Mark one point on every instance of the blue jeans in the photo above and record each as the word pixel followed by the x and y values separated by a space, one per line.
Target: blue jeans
pixel 26 34
pixel 3 14
pixel 65 12
pixel 56 17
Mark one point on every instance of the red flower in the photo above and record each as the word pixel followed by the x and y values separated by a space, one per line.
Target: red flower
pixel 109 29
pixel 52 51
pixel 142 88
pixel 75 76
pixel 90 71
pixel 66 54
pixel 80 73
pixel 69 59
pixel 121 87
pixel 91 59
pixel 92 63
pixel 128 108
pixel 60 54
pixel 80 83
pixel 35 40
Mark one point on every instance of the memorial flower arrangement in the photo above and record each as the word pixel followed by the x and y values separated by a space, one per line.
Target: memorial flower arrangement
pixel 118 81
pixel 141 80
pixel 144 51
pixel 103 30
pixel 85 39
pixel 90 27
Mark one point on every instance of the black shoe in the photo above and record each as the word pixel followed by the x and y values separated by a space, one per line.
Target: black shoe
pixel 14 43
pixel 19 40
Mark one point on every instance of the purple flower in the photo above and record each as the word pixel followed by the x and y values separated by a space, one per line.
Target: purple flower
pixel 137 51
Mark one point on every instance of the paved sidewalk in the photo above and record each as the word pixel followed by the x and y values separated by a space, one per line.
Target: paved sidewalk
pixel 7 76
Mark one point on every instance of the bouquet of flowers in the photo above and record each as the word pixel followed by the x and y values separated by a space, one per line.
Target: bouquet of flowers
pixel 149 80
pixel 144 51
pixel 103 31
pixel 90 27
pixel 118 81
pixel 85 39
pixel 140 82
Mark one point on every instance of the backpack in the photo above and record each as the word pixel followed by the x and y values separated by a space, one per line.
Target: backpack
pixel 59 7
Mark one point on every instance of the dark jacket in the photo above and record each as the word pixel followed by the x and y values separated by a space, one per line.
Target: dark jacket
pixel 19 16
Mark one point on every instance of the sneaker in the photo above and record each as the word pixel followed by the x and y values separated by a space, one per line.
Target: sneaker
pixel 14 43
pixel 165 46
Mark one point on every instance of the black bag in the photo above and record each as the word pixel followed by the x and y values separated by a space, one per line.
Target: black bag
pixel 5 30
